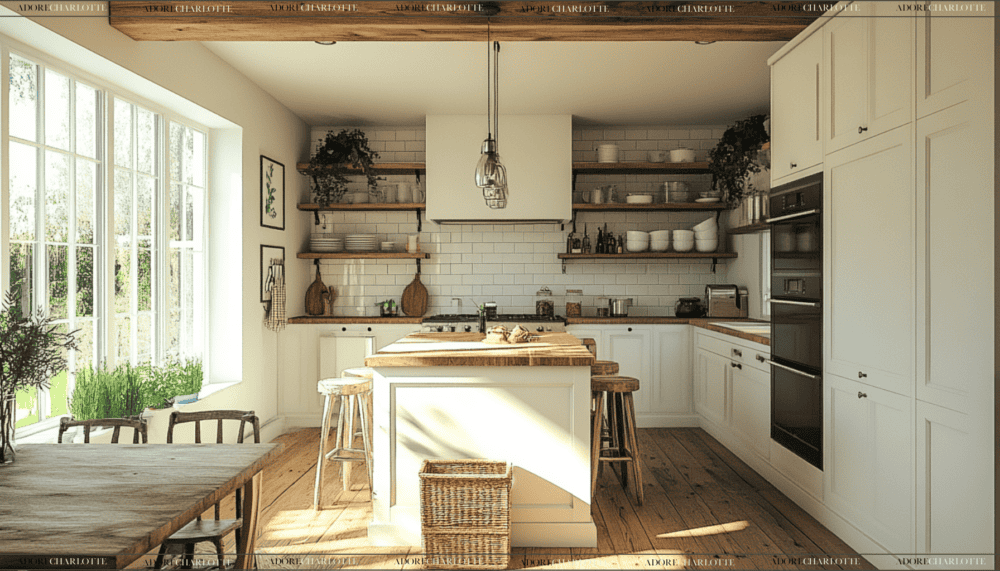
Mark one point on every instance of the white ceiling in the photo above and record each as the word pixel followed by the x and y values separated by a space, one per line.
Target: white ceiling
pixel 609 83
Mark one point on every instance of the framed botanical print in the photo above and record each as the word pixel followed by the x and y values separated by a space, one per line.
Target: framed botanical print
pixel 269 256
pixel 272 193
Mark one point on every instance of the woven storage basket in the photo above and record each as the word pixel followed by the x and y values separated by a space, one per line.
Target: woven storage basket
pixel 465 513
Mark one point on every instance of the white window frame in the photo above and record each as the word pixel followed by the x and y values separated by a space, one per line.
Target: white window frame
pixel 103 301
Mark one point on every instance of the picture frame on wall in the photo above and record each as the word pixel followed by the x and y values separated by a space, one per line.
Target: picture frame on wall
pixel 272 193
pixel 268 253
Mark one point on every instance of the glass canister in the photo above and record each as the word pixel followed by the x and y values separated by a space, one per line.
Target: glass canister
pixel 574 302
pixel 543 303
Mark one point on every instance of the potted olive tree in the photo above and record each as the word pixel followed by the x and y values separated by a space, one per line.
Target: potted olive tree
pixel 32 351
pixel 735 157
pixel 329 167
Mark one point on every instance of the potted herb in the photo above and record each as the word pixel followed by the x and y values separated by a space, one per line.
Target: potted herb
pixel 32 351
pixel 331 164
pixel 735 157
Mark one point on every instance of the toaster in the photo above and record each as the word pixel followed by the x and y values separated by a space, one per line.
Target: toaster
pixel 726 300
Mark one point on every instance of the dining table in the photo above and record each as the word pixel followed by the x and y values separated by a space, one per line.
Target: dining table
pixel 103 506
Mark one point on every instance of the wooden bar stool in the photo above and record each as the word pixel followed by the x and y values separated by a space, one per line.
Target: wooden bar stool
pixel 617 391
pixel 355 394
pixel 352 415
pixel 590 344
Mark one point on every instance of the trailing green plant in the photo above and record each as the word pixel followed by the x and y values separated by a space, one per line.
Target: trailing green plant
pixel 126 390
pixel 32 349
pixel 735 157
pixel 329 167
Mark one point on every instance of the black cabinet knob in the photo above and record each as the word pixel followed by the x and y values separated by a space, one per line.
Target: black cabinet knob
pixel 629 329
pixel 737 352
pixel 862 129
pixel 735 365
pixel 862 395
pixel 862 375
pixel 761 358
pixel 793 165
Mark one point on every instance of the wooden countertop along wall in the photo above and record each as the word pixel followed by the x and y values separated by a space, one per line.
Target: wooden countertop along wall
pixel 703 322
pixel 550 349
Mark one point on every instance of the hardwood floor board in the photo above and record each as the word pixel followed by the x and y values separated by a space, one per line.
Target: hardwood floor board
pixel 625 531
pixel 749 540
pixel 786 538
pixel 721 549
pixel 779 504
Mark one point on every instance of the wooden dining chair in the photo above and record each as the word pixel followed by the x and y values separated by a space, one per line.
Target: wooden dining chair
pixel 216 529
pixel 137 425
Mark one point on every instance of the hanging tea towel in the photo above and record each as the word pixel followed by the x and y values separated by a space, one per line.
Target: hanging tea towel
pixel 274 317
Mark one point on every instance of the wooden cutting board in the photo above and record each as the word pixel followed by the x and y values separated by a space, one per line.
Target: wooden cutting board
pixel 414 299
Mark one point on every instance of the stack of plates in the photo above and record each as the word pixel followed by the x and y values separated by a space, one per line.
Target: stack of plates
pixel 361 243
pixel 324 243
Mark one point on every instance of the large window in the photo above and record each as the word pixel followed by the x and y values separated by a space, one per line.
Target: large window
pixel 112 248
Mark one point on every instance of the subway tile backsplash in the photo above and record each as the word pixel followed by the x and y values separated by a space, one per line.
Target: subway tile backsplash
pixel 508 263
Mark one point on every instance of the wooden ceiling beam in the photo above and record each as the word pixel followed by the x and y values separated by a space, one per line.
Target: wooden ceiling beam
pixel 424 21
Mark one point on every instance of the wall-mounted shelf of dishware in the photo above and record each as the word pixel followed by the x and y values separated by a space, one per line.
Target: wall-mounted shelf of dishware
pixel 363 255
pixel 633 255
pixel 382 168
pixel 327 319
pixel 664 206
pixel 750 228
pixel 641 167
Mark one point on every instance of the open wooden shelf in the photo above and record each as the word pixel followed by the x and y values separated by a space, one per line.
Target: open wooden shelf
pixel 633 255
pixel 641 167
pixel 386 168
pixel 323 319
pixel 363 255
pixel 750 228
pixel 664 206
pixel 365 206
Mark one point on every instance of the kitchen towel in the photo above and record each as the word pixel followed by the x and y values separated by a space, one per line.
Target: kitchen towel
pixel 274 313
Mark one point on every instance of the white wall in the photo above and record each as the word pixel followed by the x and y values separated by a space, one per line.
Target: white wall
pixel 234 108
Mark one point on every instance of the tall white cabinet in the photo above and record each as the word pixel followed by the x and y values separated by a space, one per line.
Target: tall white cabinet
pixel 908 158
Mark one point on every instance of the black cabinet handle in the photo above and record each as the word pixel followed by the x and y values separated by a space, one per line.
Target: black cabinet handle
pixel 735 365
pixel 629 329
pixel 343 329
pixel 862 395
pixel 862 129
pixel 761 358
pixel 737 352
pixel 369 329
pixel 862 375
pixel 793 165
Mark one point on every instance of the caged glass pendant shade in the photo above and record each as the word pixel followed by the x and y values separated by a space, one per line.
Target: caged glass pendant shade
pixel 491 175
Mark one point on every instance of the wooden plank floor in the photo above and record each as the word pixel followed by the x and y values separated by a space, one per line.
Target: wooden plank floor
pixel 704 509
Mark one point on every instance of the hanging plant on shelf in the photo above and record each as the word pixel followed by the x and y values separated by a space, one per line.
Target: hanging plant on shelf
pixel 735 157
pixel 333 162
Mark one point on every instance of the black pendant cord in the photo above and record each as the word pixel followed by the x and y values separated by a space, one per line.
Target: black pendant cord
pixel 489 109
pixel 496 95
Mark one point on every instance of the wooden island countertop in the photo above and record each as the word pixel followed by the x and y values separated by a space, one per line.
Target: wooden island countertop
pixel 467 349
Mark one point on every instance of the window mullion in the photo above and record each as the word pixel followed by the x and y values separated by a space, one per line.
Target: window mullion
pixel 134 238
pixel 40 277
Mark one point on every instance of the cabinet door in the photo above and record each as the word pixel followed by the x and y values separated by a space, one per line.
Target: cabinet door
pixel 795 108
pixel 954 483
pixel 631 347
pixel 844 52
pixel 869 231
pixel 869 462
pixel 712 376
pixel 889 67
pixel 954 58
pixel 955 198
pixel 751 407
pixel 672 369
pixel 591 332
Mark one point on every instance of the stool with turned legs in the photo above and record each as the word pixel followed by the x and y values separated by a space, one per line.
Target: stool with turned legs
pixel 623 448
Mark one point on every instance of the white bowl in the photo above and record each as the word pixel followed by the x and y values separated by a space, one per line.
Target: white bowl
pixel 682 156
pixel 683 246
pixel 706 245
pixel 706 235
pixel 639 199
pixel 705 225
pixel 633 247
pixel 637 235
pixel 660 234
pixel 659 246
pixel 683 235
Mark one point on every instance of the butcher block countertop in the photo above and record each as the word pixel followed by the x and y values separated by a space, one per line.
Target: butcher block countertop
pixel 468 350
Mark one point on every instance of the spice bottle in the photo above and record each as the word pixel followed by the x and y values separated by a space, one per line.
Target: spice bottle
pixel 543 303
pixel 574 302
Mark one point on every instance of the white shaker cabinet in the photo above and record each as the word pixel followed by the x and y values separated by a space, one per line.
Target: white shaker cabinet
pixel 795 108
pixel 868 55
pixel 868 466
pixel 631 347
pixel 869 265
pixel 954 58
pixel 671 398
pixel 711 377
pixel 751 406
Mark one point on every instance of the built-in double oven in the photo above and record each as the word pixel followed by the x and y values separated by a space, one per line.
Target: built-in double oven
pixel 796 220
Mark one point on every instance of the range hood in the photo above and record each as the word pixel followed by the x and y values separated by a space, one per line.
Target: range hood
pixel 537 151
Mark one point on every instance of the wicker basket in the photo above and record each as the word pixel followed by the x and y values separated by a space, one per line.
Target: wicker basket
pixel 465 514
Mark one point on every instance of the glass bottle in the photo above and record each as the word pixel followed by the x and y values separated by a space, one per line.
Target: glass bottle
pixel 586 240
pixel 577 245
pixel 621 244
pixel 569 242
pixel 544 305
pixel 574 302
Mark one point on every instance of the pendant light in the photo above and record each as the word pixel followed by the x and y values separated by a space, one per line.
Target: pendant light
pixel 491 175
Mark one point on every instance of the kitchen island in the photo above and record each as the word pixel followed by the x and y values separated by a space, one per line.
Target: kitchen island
pixel 451 396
